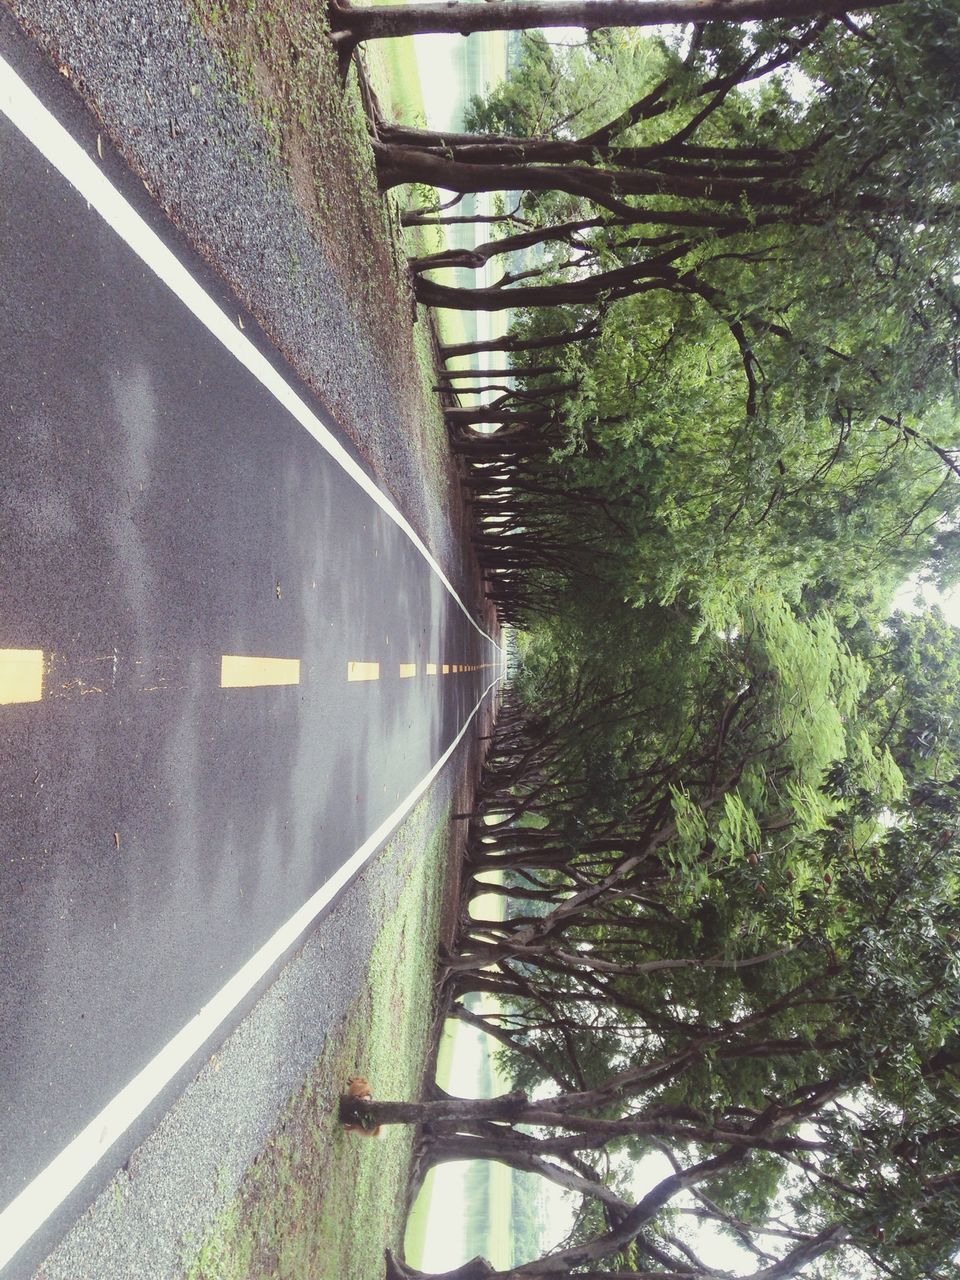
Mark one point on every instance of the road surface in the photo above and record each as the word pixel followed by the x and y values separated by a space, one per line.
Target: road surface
pixel 227 664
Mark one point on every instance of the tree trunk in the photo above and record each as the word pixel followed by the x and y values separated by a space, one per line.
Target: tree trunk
pixel 370 1113
pixel 475 259
pixel 583 334
pixel 461 415
pixel 605 187
pixel 608 285
pixel 351 26
pixel 516 371
pixel 475 1269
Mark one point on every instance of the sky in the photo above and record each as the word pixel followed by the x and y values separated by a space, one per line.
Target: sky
pixel 906 599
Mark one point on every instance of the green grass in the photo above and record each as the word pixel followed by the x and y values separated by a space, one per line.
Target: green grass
pixel 394 73
pixel 392 68
pixel 319 1203
pixel 499 1246
pixel 416 1234
pixel 395 77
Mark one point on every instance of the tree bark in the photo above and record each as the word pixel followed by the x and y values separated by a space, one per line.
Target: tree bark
pixel 516 371
pixel 608 285
pixel 350 25
pixel 583 334
pixel 605 187
pixel 475 1269
pixel 462 415
pixel 371 1113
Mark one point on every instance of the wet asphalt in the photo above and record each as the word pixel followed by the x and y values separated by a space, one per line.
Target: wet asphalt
pixel 160 509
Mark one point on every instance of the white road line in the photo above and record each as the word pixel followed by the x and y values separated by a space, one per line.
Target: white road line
pixel 25 110
pixel 31 1208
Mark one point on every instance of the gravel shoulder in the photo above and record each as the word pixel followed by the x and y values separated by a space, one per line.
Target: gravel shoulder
pixel 244 135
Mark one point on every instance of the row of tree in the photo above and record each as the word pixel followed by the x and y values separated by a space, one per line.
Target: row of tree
pixel 724 247
pixel 731 942
pixel 721 796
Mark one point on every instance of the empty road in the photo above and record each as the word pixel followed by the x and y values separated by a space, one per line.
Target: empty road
pixel 228 666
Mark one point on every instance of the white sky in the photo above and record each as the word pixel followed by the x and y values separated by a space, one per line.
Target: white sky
pixel 949 604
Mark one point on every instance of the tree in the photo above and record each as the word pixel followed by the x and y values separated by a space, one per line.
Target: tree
pixel 648 189
pixel 911 700
pixel 661 462
pixel 721 794
pixel 787 279
pixel 350 25
pixel 816 1085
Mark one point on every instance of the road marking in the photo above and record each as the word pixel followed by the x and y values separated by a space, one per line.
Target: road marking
pixel 21 675
pixel 27 1212
pixel 446 669
pixel 431 668
pixel 363 670
pixel 407 669
pixel 41 128
pixel 238 672
pixel 41 1197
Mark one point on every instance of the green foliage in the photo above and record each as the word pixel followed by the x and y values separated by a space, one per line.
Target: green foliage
pixel 779 399
pixel 727 795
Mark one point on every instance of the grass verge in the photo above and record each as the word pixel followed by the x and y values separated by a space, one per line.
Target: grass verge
pixel 319 1203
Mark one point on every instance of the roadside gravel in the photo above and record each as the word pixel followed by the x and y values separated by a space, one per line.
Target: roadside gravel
pixel 150 1220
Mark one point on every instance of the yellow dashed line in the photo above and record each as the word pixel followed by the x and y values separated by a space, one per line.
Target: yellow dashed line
pixel 446 669
pixel 247 673
pixel 363 670
pixel 431 668
pixel 407 669
pixel 21 675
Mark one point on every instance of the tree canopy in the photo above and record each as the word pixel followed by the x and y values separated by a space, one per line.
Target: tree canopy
pixel 720 801
pixel 762 374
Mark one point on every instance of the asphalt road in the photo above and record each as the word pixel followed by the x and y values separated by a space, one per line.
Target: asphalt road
pixel 165 505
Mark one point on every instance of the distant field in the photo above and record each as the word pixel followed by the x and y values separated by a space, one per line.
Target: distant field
pixel 430 81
